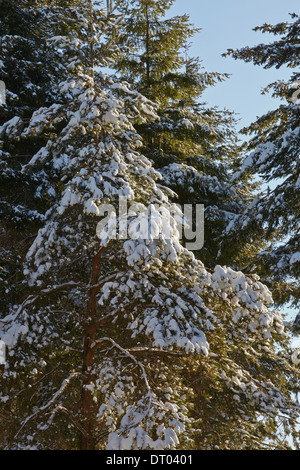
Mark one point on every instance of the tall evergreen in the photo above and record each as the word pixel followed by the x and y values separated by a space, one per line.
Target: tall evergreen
pixel 31 69
pixel 129 343
pixel 272 155
pixel 27 69
pixel 193 145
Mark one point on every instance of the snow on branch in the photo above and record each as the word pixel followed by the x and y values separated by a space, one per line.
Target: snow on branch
pixel 54 398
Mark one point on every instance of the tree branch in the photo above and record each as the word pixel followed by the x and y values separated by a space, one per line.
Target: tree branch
pixel 55 397
pixel 107 318
pixel 65 411
pixel 155 351
pixel 33 297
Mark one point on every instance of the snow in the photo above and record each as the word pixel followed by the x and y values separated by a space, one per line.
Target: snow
pixel 11 127
pixel 295 258
pixel 167 301
pixel 16 331
pixel 69 199
pixel 296 357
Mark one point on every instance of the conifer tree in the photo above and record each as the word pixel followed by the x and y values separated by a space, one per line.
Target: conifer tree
pixel 194 146
pixel 30 68
pixel 27 70
pixel 118 337
pixel 272 155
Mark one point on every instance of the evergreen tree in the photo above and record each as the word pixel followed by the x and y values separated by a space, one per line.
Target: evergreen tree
pixel 118 338
pixel 26 68
pixel 272 155
pixel 30 68
pixel 194 146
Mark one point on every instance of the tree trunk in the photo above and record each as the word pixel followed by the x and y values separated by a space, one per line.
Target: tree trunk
pixel 88 411
pixel 147 48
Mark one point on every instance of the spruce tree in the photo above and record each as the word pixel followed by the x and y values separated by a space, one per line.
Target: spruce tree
pixel 30 68
pixel 272 155
pixel 27 69
pixel 193 145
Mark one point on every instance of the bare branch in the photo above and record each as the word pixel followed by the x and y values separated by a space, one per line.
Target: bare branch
pixel 110 316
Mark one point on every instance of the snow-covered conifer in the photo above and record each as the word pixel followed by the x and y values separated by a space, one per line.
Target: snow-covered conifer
pixel 126 340
pixel 194 146
pixel 273 156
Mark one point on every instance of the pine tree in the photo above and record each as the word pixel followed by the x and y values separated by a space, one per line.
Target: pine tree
pixel 272 155
pixel 118 337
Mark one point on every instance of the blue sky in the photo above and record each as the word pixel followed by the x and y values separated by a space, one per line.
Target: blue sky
pixel 228 24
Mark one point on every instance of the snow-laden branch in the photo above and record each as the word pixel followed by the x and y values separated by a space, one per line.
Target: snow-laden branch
pixel 33 297
pixel 156 351
pixel 54 398
pixel 129 355
pixel 67 413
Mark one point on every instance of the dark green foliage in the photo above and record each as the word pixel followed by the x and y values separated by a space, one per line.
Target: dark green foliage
pixel 194 146
pixel 26 68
